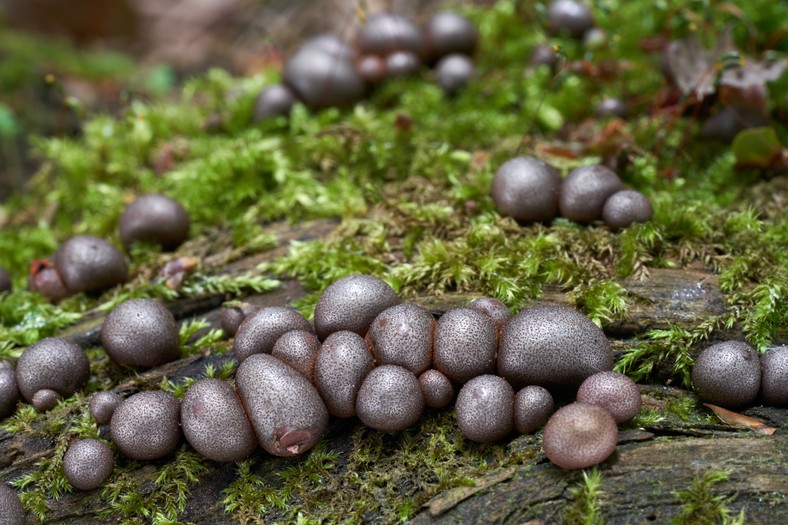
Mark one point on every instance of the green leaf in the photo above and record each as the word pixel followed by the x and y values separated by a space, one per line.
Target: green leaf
pixel 756 147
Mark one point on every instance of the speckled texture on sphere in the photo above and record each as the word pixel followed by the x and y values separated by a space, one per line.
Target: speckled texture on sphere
pixel 774 376
pixel 140 332
pixel 385 33
pixel 5 280
pixel 155 219
pixel 52 363
pixel 260 331
pixel 88 463
pixel 321 78
pixel 465 344
pixel 727 374
pixel 89 264
pixel 485 409
pixel 612 391
pixel 11 510
pixel 447 32
pixel 579 436
pixel 494 309
pixel 403 335
pixel 569 16
pixel 351 303
pixel 103 405
pixel 298 348
pixel 275 100
pixel 231 317
pixel 342 364
pixel 436 388
pixel 146 426
pixel 214 422
pixel 552 346
pixel 526 189
pixel 45 400
pixel 9 392
pixel 585 190
pixel 533 406
pixel 626 207
pixel 454 71
pixel 286 411
pixel 390 399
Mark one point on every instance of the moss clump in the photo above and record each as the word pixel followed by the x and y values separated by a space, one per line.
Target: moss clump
pixel 700 505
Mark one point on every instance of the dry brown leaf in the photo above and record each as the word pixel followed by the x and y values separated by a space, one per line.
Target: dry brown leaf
pixel 454 497
pixel 739 420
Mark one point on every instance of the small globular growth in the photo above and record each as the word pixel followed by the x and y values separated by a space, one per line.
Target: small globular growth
pixel 259 332
pixel 156 219
pixel 390 399
pixel 544 55
pixel 45 400
pixel 9 391
pixel 231 317
pixel 103 405
pixel 626 207
pixel 494 309
pixel 372 68
pixel 342 364
pixel 569 16
pixel 585 191
pixel 88 463
pixel 402 64
pixel 612 391
pixel 89 264
pixel 54 364
pixel 454 72
pixel 612 107
pixel 403 335
pixel 579 436
pixel 5 280
pixel 465 345
pixel 386 33
pixel 45 279
pixel 214 422
pixel 351 303
pixel 533 406
pixel 447 32
pixel 774 376
pixel 140 332
pixel 146 426
pixel 11 510
pixel 526 189
pixel 436 388
pixel 728 374
pixel 298 348
pixel 485 410
pixel 285 409
pixel 275 100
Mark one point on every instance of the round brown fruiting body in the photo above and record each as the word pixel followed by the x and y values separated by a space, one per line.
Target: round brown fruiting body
pixel 436 388
pixel 454 72
pixel 533 406
pixel 485 409
pixel 103 405
pixel 53 363
pixel 89 264
pixel 11 509
pixel 287 414
pixel 727 374
pixel 447 32
pixel 552 346
pixel 626 207
pixel 351 303
pixel 88 463
pixel 494 309
pixel 259 332
pixel 331 44
pixel 612 391
pixel 372 68
pixel 342 363
pixel 45 400
pixel 402 64
pixel 385 33
pixel 403 335
pixel 275 100
pixel 526 189
pixel 579 436
pixel 585 190
pixel 544 55
pixel 298 349
pixel 231 317
pixel 570 17
pixel 323 76
pixel 390 399
pixel 465 345
pixel 5 280
pixel 155 219
pixel 214 422
pixel 9 391
pixel 140 332
pixel 774 376
pixel 45 279
pixel 146 426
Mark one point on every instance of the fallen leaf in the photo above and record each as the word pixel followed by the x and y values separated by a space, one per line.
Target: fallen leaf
pixel 451 498
pixel 735 419
pixel 175 271
pixel 756 148
pixel 694 68
pixel 754 73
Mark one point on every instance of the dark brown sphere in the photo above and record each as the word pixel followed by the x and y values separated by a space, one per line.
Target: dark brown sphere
pixel 402 64
pixel 90 264
pixel 46 280
pixel 11 510
pixel 465 345
pixel 570 17
pixel 626 207
pixel 390 399
pixel 214 422
pixel 5 280
pixel 351 303
pixel 88 463
pixel 52 364
pixel 103 405
pixel 231 317
pixel 275 100
pixel 342 364
pixel 45 400
pixel 585 190
pixel 526 189
pixel 331 44
pixel 9 392
pixel 494 309
pixel 533 406
pixel 372 68
pixel 579 436
pixel 544 55
pixel 146 426
pixel 260 331
pixel 436 388
pixel 403 335
pixel 298 348
pixel 447 32
pixel 774 376
pixel 612 391
pixel 485 410
pixel 323 79
pixel 156 219
pixel 552 346
pixel 386 33
pixel 140 332
pixel 454 71
pixel 728 374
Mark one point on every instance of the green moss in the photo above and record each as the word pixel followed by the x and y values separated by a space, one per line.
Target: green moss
pixel 585 508
pixel 701 506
